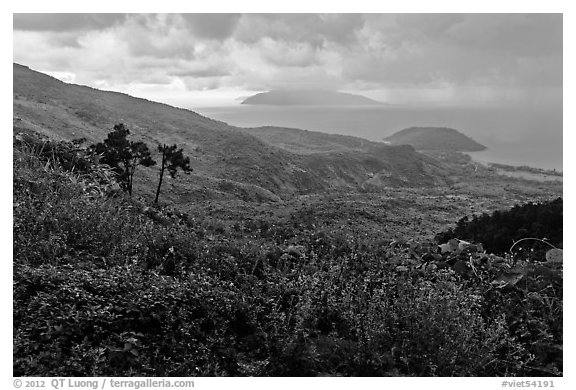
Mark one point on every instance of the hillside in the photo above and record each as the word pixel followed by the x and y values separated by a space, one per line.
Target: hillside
pixel 372 165
pixel 105 285
pixel 435 138
pixel 307 142
pixel 227 161
pixel 309 98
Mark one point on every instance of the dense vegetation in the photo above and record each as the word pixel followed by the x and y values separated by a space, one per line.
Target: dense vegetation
pixel 502 229
pixel 107 285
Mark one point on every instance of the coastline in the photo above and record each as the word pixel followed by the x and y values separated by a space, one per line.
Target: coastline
pixel 519 171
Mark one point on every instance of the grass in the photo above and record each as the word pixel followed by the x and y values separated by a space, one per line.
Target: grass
pixel 119 288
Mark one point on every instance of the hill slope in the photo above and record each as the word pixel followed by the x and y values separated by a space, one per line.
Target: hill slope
pixel 105 286
pixel 370 165
pixel 307 142
pixel 309 97
pixel 435 138
pixel 226 160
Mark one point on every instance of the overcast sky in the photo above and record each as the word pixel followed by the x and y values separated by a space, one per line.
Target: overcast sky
pixel 213 58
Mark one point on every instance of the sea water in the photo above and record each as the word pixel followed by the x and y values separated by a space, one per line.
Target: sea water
pixel 513 135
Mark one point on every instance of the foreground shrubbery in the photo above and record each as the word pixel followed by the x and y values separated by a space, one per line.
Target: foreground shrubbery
pixel 106 286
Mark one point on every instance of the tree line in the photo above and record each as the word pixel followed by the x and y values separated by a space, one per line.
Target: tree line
pixel 124 156
pixel 498 232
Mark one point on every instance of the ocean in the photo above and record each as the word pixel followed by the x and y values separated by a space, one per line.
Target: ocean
pixel 514 135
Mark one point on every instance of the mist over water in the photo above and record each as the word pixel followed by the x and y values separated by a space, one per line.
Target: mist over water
pixel 514 135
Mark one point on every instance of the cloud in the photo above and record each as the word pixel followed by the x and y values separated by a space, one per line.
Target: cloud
pixel 211 26
pixel 288 54
pixel 272 51
pixel 314 29
pixel 159 36
pixel 521 34
pixel 482 49
pixel 340 28
pixel 65 22
pixel 200 71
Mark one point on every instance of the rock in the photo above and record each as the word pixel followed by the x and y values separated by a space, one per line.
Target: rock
pixel 507 279
pixel 462 245
pixel 497 259
pixel 451 246
pixel 445 248
pixel 554 256
pixel 296 250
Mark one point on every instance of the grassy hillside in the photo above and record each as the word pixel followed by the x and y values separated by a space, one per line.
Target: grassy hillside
pixel 307 142
pixel 334 286
pixel 226 160
pixel 371 165
pixel 287 253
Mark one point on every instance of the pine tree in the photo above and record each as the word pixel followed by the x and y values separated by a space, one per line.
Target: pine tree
pixel 172 159
pixel 122 155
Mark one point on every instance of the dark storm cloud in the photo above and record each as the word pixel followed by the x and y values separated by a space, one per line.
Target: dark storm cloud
pixel 505 49
pixel 65 22
pixel 211 26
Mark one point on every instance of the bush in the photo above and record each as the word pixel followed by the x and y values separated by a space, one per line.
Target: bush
pixel 118 289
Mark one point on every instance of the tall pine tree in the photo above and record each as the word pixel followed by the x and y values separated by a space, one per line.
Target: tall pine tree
pixel 172 159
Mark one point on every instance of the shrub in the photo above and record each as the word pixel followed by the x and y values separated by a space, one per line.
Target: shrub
pixel 118 289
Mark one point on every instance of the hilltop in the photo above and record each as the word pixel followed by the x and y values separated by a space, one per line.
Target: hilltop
pixel 309 98
pixel 435 138
pixel 227 161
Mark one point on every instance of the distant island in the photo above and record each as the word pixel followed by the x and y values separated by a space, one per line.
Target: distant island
pixel 435 138
pixel 309 98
